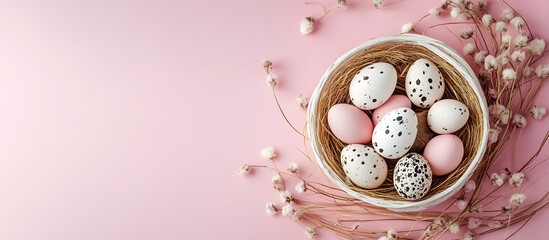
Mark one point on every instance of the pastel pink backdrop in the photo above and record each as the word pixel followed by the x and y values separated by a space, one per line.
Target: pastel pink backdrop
pixel 129 119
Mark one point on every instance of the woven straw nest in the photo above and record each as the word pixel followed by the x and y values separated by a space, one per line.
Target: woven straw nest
pixel 400 51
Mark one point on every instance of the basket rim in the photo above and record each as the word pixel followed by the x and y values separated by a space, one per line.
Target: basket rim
pixel 449 55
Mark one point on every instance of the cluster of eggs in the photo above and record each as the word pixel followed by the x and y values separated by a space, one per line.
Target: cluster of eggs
pixel 393 128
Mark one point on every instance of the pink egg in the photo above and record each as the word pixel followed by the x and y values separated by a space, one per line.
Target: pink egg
pixel 350 124
pixel 394 102
pixel 444 153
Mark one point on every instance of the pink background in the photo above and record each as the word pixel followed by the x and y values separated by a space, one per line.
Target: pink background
pixel 128 119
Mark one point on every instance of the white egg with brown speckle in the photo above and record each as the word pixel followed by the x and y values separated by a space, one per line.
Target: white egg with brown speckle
pixel 363 166
pixel 412 176
pixel 395 134
pixel 373 85
pixel 447 116
pixel 424 83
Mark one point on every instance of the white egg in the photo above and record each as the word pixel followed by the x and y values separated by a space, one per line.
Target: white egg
pixel 363 166
pixel 447 116
pixel 373 85
pixel 424 83
pixel 412 176
pixel 395 134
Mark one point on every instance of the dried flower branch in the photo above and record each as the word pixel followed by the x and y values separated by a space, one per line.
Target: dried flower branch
pixel 307 24
pixel 505 63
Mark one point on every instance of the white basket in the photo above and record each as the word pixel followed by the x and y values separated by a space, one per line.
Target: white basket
pixel 452 57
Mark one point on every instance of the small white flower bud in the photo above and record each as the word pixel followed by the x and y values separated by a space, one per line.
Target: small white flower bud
pixel 407 27
pixel 487 20
pixel 469 49
pixel 307 25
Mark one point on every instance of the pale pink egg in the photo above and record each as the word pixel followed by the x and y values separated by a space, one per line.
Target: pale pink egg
pixel 444 153
pixel 394 102
pixel 350 124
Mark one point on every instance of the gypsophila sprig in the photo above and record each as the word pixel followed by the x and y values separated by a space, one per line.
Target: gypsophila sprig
pixel 536 46
pixel 517 199
pixel 473 223
pixel 298 215
pixel 469 186
pixel 502 59
pixel 468 5
pixel 492 93
pixel 506 40
pixel 440 222
pixel 516 179
pixel 435 11
pixel 508 75
pixel 378 3
pixel 307 25
pixel 501 114
pixel 493 135
pixel 461 204
pixel 542 71
pixel 538 112
pixel 507 15
pixel 276 179
pixel 392 234
pixel 407 27
pixel 496 109
pixel 507 210
pixel 495 224
pixel 479 57
pixel 267 65
pixel 310 232
pixel 517 22
pixel 302 101
pixel 469 49
pixel 271 209
pixel 272 80
pixel 487 20
pixel 293 168
pixel 244 170
pixel 286 197
pixel 504 174
pixel 456 13
pixel 527 71
pixel 495 179
pixel 521 40
pixel 468 236
pixel 466 33
pixel 342 4
pixel 518 56
pixel 519 121
pixel 476 209
pixel 288 210
pixel 490 63
pixel 454 228
pixel 481 4
pixel 301 187
pixel 268 153
pixel 501 26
